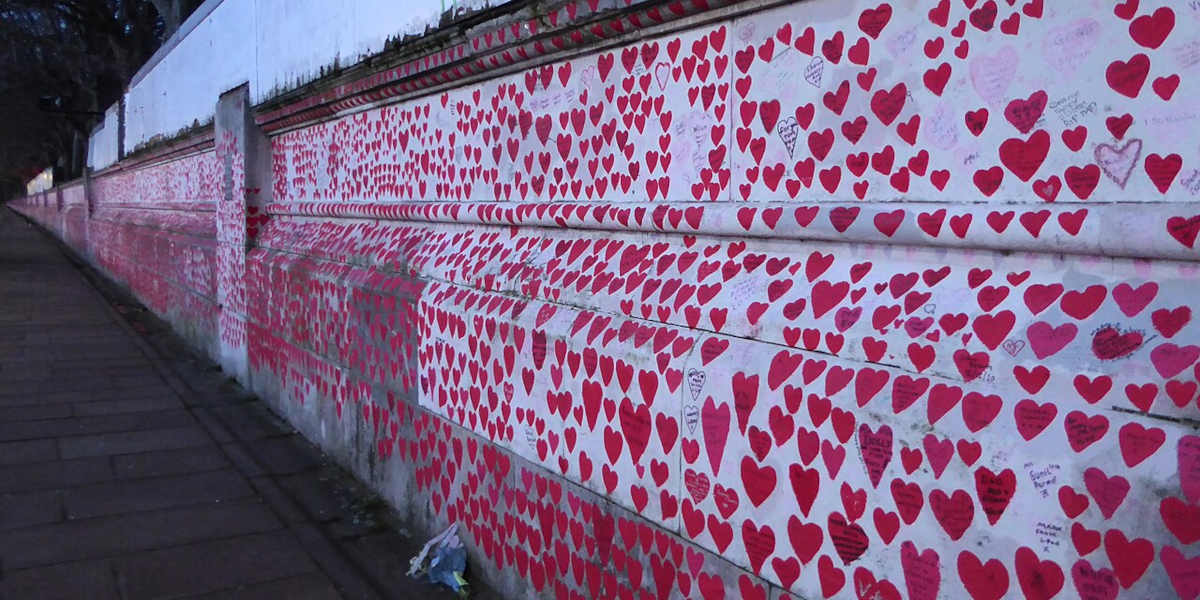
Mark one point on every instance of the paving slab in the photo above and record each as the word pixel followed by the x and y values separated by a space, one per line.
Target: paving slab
pixel 93 580
pixel 210 487
pixel 310 586
pixel 34 411
pixel 83 425
pixel 211 566
pixel 126 533
pixel 25 509
pixel 169 462
pixel 125 442
pixel 142 403
pixel 28 451
pixel 54 475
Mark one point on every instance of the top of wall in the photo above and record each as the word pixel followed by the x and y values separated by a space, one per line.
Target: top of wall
pixel 359 52
pixel 274 45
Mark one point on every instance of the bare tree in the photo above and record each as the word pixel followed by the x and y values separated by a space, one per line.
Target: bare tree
pixel 79 52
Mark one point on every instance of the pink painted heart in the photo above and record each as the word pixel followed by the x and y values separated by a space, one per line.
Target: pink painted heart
pixel 922 576
pixel 954 512
pixel 1184 229
pixel 1033 418
pixel 715 426
pixel 1181 518
pixel 995 490
pixel 992 74
pixel 1039 579
pixel 1183 572
pixel 876 448
pixel 1133 300
pixel 1046 340
pixel 1129 558
pixel 1094 584
pixel 983 581
pixel 1170 360
pixel 849 539
pixel 1109 492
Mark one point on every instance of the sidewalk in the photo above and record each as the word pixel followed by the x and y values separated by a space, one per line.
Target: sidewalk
pixel 130 469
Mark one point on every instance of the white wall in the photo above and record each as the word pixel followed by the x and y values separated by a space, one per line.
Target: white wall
pixel 102 146
pixel 275 45
pixel 42 182
pixel 182 89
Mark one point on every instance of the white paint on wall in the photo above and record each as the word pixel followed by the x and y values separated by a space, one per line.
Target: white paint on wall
pixel 274 45
pixel 102 146
pixel 40 183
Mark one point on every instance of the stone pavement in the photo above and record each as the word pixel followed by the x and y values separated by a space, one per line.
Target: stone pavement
pixel 129 468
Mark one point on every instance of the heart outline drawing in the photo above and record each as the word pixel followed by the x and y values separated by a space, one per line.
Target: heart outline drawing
pixel 1113 160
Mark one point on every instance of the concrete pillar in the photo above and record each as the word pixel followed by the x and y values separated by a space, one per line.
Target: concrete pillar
pixel 86 249
pixel 60 219
pixel 244 154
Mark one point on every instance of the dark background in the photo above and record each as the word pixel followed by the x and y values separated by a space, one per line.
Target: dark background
pixel 62 63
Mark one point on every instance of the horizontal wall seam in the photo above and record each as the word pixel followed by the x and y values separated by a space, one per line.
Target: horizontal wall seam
pixel 168 230
pixel 201 208
pixel 1111 238
pixel 199 144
